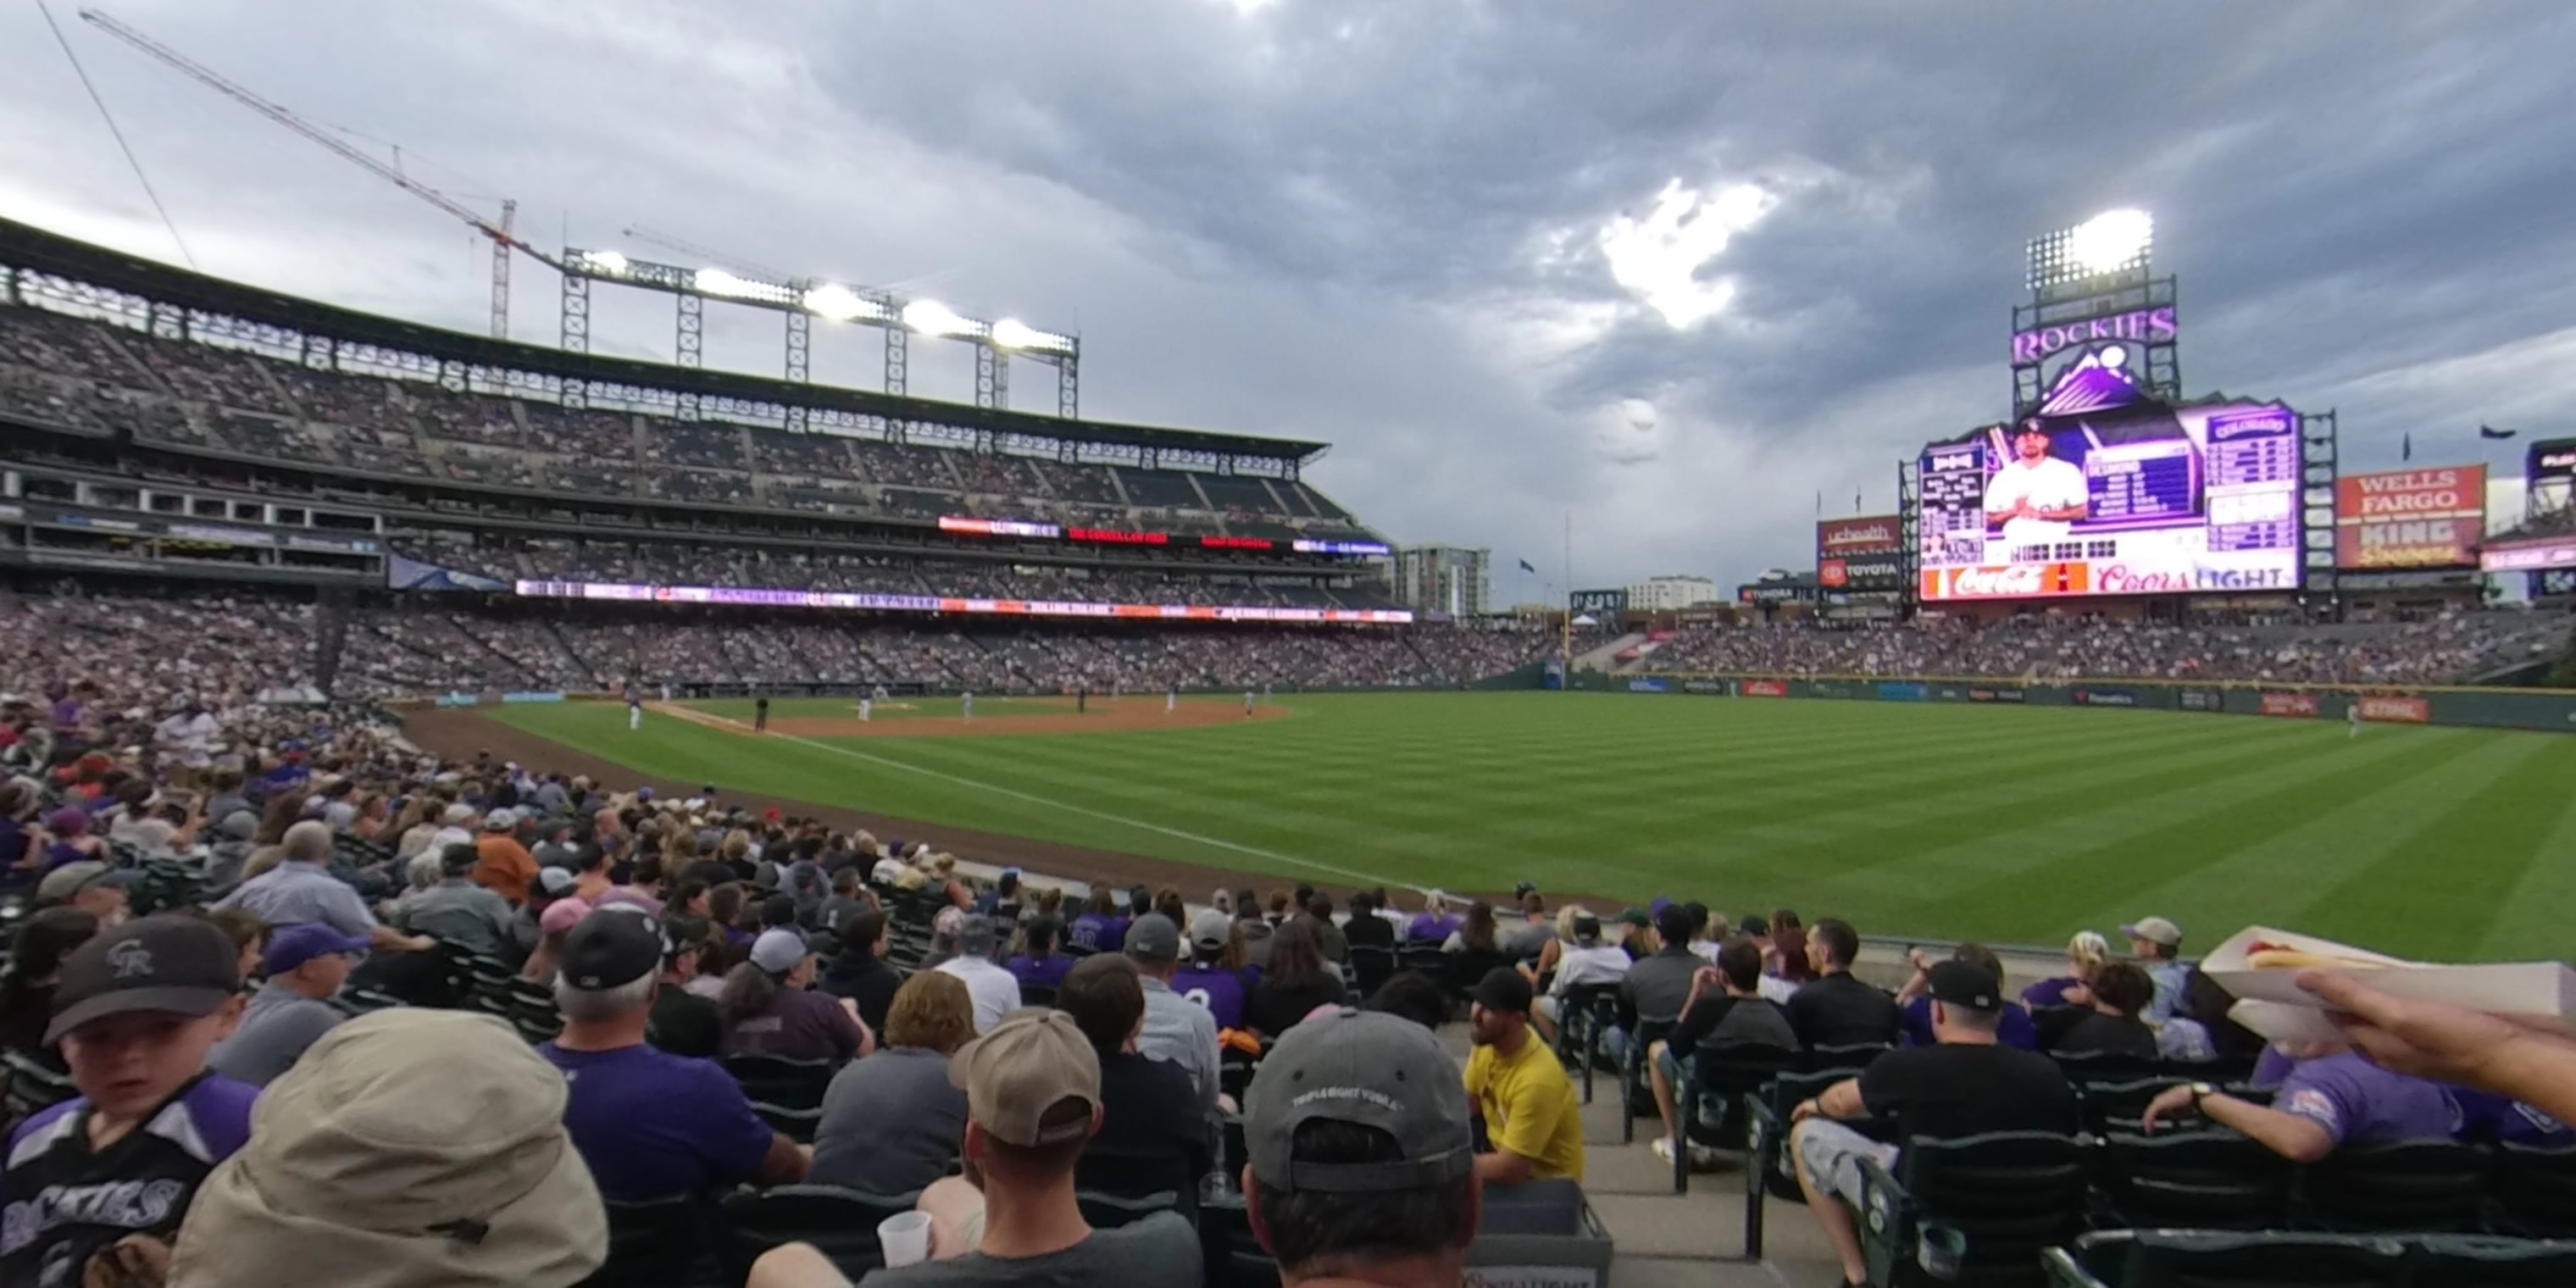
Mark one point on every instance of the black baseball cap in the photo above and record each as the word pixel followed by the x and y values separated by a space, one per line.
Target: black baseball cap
pixel 1504 989
pixel 614 945
pixel 1967 984
pixel 175 964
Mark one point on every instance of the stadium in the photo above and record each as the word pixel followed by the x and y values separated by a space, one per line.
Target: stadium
pixel 2129 659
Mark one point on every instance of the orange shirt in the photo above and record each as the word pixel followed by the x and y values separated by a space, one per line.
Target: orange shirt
pixel 504 866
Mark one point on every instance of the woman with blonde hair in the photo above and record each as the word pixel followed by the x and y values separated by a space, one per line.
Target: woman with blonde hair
pixel 892 1121
pixel 2086 954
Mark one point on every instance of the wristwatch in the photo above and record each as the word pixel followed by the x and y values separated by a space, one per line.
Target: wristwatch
pixel 2201 1091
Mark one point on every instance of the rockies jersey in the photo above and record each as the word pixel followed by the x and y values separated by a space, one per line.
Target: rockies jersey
pixel 66 1201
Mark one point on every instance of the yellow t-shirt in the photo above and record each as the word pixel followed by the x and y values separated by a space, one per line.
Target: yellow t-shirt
pixel 1529 1107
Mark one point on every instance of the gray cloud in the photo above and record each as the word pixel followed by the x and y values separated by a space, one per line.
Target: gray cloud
pixel 1379 225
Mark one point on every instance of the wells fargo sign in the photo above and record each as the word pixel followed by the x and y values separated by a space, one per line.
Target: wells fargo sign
pixel 2411 518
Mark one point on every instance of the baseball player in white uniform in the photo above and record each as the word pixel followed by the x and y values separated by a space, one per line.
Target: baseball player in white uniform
pixel 2035 494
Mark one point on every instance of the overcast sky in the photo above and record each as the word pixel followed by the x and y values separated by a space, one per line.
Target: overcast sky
pixel 1673 266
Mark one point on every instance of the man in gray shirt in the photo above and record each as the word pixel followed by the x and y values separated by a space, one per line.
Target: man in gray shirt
pixel 470 916
pixel 1176 1028
pixel 1032 1102
pixel 306 964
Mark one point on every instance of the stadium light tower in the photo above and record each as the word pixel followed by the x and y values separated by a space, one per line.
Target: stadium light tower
pixel 2093 286
pixel 803 299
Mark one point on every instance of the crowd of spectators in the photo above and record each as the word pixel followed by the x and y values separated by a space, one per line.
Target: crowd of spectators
pixel 171 830
pixel 2448 647
pixel 99 376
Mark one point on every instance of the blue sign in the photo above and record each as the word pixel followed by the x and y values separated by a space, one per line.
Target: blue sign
pixel 532 697
pixel 1648 686
pixel 1902 693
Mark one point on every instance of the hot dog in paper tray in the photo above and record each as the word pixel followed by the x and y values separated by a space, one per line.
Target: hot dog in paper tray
pixel 2260 966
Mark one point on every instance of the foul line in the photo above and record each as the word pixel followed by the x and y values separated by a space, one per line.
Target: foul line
pixel 1361 878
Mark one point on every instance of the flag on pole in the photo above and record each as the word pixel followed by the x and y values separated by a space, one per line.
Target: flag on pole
pixel 1855 500
pixel 1820 503
pixel 1525 567
pixel 2406 448
pixel 2484 432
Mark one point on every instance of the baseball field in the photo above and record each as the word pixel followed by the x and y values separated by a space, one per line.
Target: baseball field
pixel 2012 825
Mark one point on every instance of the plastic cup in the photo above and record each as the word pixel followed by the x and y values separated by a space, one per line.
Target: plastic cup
pixel 906 1239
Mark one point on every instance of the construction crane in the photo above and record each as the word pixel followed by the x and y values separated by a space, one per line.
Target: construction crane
pixel 503 239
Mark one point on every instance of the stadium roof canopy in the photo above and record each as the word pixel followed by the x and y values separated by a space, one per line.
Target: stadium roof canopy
pixel 26 247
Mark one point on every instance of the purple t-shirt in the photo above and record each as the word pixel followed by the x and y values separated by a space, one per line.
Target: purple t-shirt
pixel 1222 992
pixel 2359 1103
pixel 1045 972
pixel 66 1201
pixel 2487 1116
pixel 652 1124
pixel 1428 929
pixel 800 1024
pixel 1095 933
pixel 2048 992
pixel 2017 1030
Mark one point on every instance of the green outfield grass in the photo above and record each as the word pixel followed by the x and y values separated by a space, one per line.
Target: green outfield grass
pixel 2016 825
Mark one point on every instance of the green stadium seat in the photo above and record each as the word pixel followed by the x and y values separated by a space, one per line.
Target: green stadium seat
pixel 2228 1259
pixel 2404 1185
pixel 840 1223
pixel 1996 1201
pixel 2198 1179
pixel 1721 1079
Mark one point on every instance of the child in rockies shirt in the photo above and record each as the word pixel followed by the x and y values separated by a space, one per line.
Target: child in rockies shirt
pixel 94 1187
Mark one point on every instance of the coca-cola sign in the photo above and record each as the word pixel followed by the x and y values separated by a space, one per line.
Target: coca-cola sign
pixel 1880 534
pixel 2010 581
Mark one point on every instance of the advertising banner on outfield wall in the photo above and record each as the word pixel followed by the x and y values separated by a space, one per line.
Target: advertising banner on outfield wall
pixel 2203 700
pixel 2105 698
pixel 2287 704
pixel 2397 710
pixel 1997 694
pixel 2411 518
pixel 1766 688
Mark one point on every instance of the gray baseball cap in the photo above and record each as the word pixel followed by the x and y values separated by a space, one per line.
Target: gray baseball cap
pixel 1370 1070
pixel 975 936
pixel 1154 939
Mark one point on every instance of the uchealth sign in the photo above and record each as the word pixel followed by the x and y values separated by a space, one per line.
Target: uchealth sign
pixel 1878 534
pixel 2287 704
pixel 2410 518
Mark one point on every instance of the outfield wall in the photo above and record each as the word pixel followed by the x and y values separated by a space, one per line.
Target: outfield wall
pixel 2552 710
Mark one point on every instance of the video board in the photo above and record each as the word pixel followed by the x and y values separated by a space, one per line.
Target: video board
pixel 2137 498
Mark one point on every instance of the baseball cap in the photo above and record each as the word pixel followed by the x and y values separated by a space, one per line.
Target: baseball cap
pixel 1754 924
pixel 500 819
pixel 1034 1059
pixel 469 1175
pixel 70 879
pixel 556 881
pixel 1587 929
pixel 1635 917
pixel 779 949
pixel 1369 1070
pixel 2155 930
pixel 778 909
pixel 1211 929
pixel 975 936
pixel 1959 983
pixel 292 946
pixel 1154 939
pixel 1503 989
pixel 562 915
pixel 607 949
pixel 175 964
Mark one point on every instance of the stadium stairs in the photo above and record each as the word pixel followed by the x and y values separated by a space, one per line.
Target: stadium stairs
pixel 1606 657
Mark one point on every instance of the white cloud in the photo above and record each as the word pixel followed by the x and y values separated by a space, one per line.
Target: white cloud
pixel 1658 258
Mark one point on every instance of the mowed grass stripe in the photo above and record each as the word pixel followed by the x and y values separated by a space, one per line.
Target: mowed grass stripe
pixel 2018 824
pixel 2287 874
pixel 2097 883
pixel 2512 816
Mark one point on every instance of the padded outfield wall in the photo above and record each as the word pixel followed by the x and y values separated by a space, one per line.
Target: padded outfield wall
pixel 2552 710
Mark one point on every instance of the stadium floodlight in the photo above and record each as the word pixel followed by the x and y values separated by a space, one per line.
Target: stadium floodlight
pixel 1012 333
pixel 2111 241
pixel 605 261
pixel 834 302
pixel 716 281
pixel 2111 244
pixel 930 317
